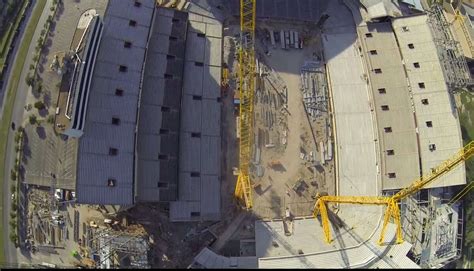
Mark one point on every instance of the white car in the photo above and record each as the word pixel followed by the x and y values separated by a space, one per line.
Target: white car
pixel 13 196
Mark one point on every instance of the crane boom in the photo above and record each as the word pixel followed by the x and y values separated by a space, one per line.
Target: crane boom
pixel 462 155
pixel 247 88
pixel 462 193
pixel 465 29
pixel 392 211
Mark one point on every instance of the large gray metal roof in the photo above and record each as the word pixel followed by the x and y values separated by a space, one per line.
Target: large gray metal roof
pixel 399 118
pixel 95 165
pixel 308 10
pixel 445 132
pixel 158 131
pixel 210 260
pixel 45 153
pixel 200 154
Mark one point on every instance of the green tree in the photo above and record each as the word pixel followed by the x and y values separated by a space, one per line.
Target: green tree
pixel 12 188
pixel 30 80
pixel 33 119
pixel 13 175
pixel 40 41
pixel 12 215
pixel 14 238
pixel 17 137
pixel 51 119
pixel 13 223
pixel 39 105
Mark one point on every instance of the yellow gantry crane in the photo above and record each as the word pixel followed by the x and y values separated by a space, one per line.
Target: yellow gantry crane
pixel 392 211
pixel 243 189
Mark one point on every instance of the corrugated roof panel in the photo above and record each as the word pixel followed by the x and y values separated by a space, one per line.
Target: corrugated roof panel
pixel 210 200
pixel 150 119
pixel 95 165
pixel 190 187
pixel 211 117
pixel 190 153
pixel 193 85
pixel 211 82
pixel 155 65
pixel 181 210
pixel 210 154
pixel 191 114
pixel 196 48
pixel 119 28
pixel 153 91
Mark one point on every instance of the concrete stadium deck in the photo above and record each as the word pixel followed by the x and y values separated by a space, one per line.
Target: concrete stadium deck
pixel 356 154
pixel 358 173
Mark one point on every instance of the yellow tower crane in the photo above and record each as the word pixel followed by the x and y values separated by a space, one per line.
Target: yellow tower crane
pixel 461 193
pixel 459 17
pixel 392 211
pixel 243 187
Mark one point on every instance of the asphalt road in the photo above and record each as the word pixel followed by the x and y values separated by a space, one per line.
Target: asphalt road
pixel 17 118
pixel 11 59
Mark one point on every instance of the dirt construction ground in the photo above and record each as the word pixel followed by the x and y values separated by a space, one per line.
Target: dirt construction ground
pixel 291 132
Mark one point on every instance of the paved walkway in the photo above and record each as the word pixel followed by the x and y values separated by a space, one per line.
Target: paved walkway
pixel 356 148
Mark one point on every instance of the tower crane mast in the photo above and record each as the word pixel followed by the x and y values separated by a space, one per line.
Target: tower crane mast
pixel 243 190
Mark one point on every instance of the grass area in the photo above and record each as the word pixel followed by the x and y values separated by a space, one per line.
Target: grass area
pixel 10 98
pixel 7 39
pixel 466 119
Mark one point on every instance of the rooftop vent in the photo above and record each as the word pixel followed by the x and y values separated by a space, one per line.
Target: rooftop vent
pixel 111 182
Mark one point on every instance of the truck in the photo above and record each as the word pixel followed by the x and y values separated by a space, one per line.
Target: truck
pixel 236 102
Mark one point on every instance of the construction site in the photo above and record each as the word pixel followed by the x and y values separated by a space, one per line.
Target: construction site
pixel 251 134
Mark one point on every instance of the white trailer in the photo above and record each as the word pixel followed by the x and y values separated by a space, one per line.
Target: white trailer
pixel 292 39
pixel 297 40
pixel 282 39
pixel 272 39
pixel 287 39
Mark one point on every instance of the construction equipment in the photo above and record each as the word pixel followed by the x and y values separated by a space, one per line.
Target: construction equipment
pixel 225 81
pixel 225 77
pixel 274 163
pixel 246 88
pixel 391 203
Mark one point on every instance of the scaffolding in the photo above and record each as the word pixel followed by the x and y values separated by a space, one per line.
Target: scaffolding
pixel 454 66
pixel 109 247
pixel 436 241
